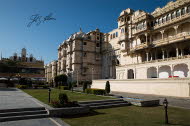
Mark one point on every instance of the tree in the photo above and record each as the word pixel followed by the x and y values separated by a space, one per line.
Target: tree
pixel 107 88
pixel 63 79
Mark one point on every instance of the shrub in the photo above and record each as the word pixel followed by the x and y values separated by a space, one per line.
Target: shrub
pixel 55 103
pixel 70 86
pixel 21 86
pixel 107 88
pixel 64 87
pixel 85 85
pixel 95 91
pixel 63 98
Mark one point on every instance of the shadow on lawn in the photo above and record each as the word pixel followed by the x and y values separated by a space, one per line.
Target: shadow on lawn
pixel 91 113
pixel 173 124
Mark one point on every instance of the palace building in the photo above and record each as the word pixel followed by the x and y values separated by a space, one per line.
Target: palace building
pixel 22 65
pixel 145 46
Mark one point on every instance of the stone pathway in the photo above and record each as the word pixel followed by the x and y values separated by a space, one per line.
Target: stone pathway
pixel 173 101
pixel 11 98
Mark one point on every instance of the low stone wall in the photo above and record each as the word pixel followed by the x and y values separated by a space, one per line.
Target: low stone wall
pixel 68 111
pixel 167 87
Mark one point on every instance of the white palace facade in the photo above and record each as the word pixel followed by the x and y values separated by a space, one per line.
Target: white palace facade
pixel 144 47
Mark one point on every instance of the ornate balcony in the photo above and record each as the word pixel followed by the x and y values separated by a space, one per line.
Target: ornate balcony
pixel 138 47
pixel 172 39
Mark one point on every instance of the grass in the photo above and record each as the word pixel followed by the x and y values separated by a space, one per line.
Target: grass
pixel 121 116
pixel 42 95
pixel 132 116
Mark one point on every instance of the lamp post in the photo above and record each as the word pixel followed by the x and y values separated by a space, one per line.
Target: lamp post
pixel 165 103
pixel 49 91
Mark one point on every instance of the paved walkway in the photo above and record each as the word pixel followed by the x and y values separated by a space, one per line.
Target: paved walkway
pixel 14 98
pixel 173 101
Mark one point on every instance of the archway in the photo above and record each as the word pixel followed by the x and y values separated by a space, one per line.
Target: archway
pixel 152 72
pixel 181 70
pixel 164 72
pixel 130 74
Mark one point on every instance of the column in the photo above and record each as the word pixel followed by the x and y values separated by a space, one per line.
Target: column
pixel 176 27
pixel 177 52
pixel 157 71
pixel 146 38
pixel 147 56
pixel 182 52
pixel 151 56
pixel 163 54
pixel 172 74
pixel 162 32
pixel 137 58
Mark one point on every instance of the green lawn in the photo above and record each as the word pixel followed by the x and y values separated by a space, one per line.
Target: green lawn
pixel 42 95
pixel 132 116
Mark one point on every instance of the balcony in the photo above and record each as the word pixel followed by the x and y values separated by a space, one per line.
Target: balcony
pixel 174 20
pixel 172 39
pixel 140 46
pixel 122 38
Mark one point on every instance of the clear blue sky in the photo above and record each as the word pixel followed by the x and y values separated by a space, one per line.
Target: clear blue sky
pixel 43 40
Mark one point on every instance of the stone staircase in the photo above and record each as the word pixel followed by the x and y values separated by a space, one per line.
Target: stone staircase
pixel 22 114
pixel 101 104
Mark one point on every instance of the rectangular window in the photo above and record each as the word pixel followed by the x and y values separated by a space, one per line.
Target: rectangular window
pixel 97 44
pixel 84 54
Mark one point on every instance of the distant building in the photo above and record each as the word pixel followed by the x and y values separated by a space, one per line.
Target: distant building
pixel 24 66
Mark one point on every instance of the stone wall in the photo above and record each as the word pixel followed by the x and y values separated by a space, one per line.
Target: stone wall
pixel 167 87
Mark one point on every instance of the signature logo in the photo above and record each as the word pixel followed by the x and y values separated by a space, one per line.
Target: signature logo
pixel 38 19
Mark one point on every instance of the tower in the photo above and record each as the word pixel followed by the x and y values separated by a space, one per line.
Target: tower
pixel 23 54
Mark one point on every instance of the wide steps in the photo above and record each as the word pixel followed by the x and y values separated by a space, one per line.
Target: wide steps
pixel 100 104
pixel 22 114
pixel 109 106
pixel 105 103
pixel 100 101
pixel 14 118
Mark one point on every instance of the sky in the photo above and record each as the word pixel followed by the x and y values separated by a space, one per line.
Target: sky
pixel 43 40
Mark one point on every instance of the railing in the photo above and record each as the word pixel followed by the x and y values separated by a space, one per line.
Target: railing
pixel 172 39
pixel 140 46
pixel 172 20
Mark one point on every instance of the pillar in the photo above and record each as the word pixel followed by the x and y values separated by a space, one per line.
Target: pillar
pixel 172 74
pixel 147 56
pixel 157 71
pixel 151 56
pixel 176 27
pixel 163 54
pixel 182 52
pixel 177 52
pixel 162 32
pixel 146 38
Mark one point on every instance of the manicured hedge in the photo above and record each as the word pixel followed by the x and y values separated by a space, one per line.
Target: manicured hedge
pixel 21 86
pixel 95 91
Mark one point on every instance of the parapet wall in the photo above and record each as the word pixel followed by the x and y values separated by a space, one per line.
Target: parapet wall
pixel 167 87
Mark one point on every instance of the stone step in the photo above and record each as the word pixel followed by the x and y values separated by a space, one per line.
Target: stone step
pixel 100 101
pixel 21 109
pixel 105 103
pixel 23 113
pixel 109 106
pixel 14 118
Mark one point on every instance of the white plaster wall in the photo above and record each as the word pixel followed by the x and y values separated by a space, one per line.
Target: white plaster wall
pixel 167 87
pixel 141 73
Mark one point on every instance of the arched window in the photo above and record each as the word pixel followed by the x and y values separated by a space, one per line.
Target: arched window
pixel 173 15
pixel 122 30
pixel 164 19
pixel 160 21
pixel 182 11
pixel 116 34
pixel 177 13
pixel 168 17
pixel 188 9
pixel 113 35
